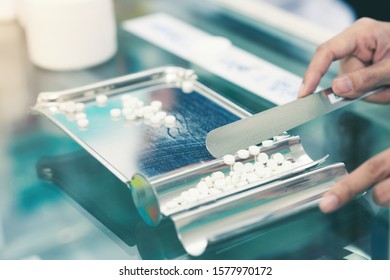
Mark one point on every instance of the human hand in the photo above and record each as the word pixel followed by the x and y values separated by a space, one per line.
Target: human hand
pixel 364 53
pixel 374 172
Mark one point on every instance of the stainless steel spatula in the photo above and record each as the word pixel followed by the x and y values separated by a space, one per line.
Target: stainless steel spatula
pixel 253 130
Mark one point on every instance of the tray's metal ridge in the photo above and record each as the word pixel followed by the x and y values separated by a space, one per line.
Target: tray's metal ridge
pixel 170 74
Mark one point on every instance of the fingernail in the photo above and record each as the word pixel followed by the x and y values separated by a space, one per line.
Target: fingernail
pixel 329 203
pixel 300 90
pixel 342 85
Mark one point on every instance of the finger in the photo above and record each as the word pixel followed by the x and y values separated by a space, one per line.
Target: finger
pixel 381 97
pixel 354 84
pixel 381 193
pixel 333 49
pixel 372 171
pixel 350 64
pixel 358 40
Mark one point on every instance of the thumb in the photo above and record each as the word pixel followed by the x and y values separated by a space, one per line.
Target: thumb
pixel 356 83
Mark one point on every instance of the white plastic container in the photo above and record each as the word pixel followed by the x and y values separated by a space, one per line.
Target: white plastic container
pixel 7 10
pixel 71 34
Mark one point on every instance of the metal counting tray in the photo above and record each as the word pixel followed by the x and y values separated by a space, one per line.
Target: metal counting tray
pixel 159 162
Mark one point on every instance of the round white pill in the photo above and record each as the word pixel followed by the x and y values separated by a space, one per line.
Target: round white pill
pixel 214 191
pixel 202 187
pixel 243 154
pixel 170 78
pixel 101 99
pixel 287 164
pixel 258 165
pixel 62 107
pixel 184 203
pixel 217 175
pixel 229 159
pixel 184 194
pixel 147 112
pixel 130 103
pixel 243 176
pixel 187 86
pixel 190 198
pixel 228 180
pixel 268 172
pixel 139 103
pixel 252 177
pixel 156 105
pixel 80 116
pixel 125 97
pixel 53 109
pixel 203 195
pixel 254 150
pixel 267 143
pixel 242 184
pixel 147 109
pixel 161 114
pixel 280 137
pixel 148 115
pixel 80 107
pixel 139 113
pixel 127 111
pixel 219 184
pixel 155 119
pixel 278 157
pixel 271 163
pixel 249 167
pixel 193 191
pixel 227 188
pixel 209 181
pixel 82 123
pixel 70 107
pixel 235 179
pixel 115 113
pixel 170 120
pixel 238 166
pixel 131 117
pixel 278 169
pixel 262 158
pixel 260 171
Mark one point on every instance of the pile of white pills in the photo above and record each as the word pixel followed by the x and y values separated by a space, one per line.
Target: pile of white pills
pixel 75 111
pixel 247 166
pixel 132 109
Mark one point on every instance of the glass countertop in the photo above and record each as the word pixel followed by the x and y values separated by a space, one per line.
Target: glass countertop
pixel 58 202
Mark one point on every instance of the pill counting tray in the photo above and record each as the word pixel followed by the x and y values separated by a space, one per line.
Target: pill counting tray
pixel 160 161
